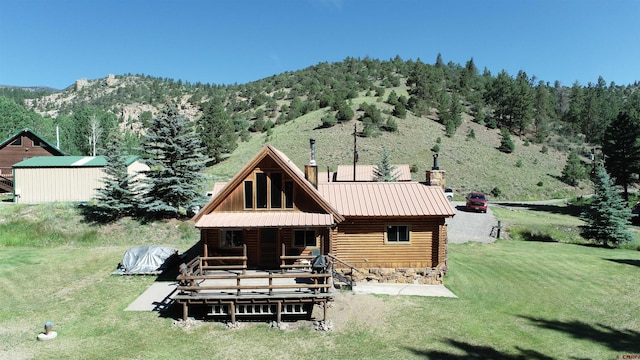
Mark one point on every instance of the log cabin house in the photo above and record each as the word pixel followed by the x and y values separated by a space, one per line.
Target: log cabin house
pixel 22 145
pixel 388 232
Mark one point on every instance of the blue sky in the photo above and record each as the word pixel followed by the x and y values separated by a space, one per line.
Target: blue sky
pixel 55 42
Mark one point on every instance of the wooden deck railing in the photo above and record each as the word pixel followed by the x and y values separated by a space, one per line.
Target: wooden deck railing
pixel 317 282
pixel 224 262
pixel 299 261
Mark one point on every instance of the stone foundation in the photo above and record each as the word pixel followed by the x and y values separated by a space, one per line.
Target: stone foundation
pixel 431 276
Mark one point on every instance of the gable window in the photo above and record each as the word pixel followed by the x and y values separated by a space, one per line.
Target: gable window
pixel 276 190
pixel 231 238
pixel 17 141
pixel 397 233
pixel 288 194
pixel 261 190
pixel 304 238
pixel 248 194
pixel 268 190
pixel 36 142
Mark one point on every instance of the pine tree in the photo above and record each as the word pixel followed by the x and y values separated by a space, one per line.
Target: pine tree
pixel 384 170
pixel 573 170
pixel 216 132
pixel 607 217
pixel 506 144
pixel 175 159
pixel 621 147
pixel 117 198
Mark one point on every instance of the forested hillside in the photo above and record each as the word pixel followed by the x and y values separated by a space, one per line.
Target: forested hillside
pixel 487 127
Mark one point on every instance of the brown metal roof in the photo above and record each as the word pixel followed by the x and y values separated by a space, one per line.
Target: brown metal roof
pixel 366 172
pixel 217 187
pixel 255 219
pixel 386 199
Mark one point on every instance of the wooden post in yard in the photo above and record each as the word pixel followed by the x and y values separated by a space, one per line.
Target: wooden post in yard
pixel 279 311
pixel 185 311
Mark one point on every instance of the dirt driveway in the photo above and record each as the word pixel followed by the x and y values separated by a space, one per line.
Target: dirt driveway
pixel 470 226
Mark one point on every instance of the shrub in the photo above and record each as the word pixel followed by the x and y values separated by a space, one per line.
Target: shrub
pixel 496 192
pixel 328 121
pixel 471 134
pixel 391 125
pixel 519 163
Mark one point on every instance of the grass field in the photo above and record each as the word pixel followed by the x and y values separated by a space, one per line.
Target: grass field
pixel 517 300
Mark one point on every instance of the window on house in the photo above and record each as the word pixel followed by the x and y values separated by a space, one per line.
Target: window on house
pixel 304 238
pixel 397 233
pixel 17 141
pixel 248 194
pixel 36 142
pixel 276 190
pixel 288 194
pixel 261 190
pixel 231 238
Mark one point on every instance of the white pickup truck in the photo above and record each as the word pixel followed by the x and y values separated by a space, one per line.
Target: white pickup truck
pixel 448 192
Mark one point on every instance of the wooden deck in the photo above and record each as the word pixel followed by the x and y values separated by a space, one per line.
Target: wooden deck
pixel 251 294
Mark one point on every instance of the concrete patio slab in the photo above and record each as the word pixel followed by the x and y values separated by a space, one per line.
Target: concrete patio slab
pixel 403 289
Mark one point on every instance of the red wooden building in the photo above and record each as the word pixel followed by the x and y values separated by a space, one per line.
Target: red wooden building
pixel 22 145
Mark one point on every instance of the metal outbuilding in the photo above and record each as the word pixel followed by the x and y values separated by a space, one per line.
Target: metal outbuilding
pixel 44 179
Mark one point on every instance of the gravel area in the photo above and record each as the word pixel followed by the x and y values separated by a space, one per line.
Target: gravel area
pixel 470 226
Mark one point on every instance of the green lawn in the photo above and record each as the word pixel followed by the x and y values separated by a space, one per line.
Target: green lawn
pixel 516 300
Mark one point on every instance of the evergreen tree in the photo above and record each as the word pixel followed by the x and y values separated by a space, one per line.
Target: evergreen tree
pixel 607 217
pixel 574 171
pixel 455 113
pixel 621 147
pixel 384 170
pixel 345 113
pixel 522 103
pixel 573 116
pixel 175 159
pixel 399 111
pixel 506 144
pixel 117 198
pixel 217 132
pixel 543 112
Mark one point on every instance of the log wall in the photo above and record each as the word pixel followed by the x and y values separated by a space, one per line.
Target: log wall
pixel 362 243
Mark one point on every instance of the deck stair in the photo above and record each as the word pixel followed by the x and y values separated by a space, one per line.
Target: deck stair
pixel 6 183
pixel 346 278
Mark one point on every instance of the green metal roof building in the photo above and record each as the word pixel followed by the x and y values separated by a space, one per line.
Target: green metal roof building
pixel 63 178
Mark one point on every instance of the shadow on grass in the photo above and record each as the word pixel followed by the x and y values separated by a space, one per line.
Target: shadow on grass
pixel 531 236
pixel 626 261
pixel 171 273
pixel 478 352
pixel 626 340
pixel 571 210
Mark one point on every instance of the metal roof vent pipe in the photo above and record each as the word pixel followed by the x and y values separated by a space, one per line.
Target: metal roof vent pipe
pixel 311 170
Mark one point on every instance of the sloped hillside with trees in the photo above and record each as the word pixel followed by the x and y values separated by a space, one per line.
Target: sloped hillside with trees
pixel 410 107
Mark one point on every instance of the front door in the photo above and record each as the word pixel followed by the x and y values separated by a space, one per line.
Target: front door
pixel 269 249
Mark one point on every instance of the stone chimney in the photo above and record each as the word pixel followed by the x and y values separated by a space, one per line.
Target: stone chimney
pixel 311 170
pixel 435 176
